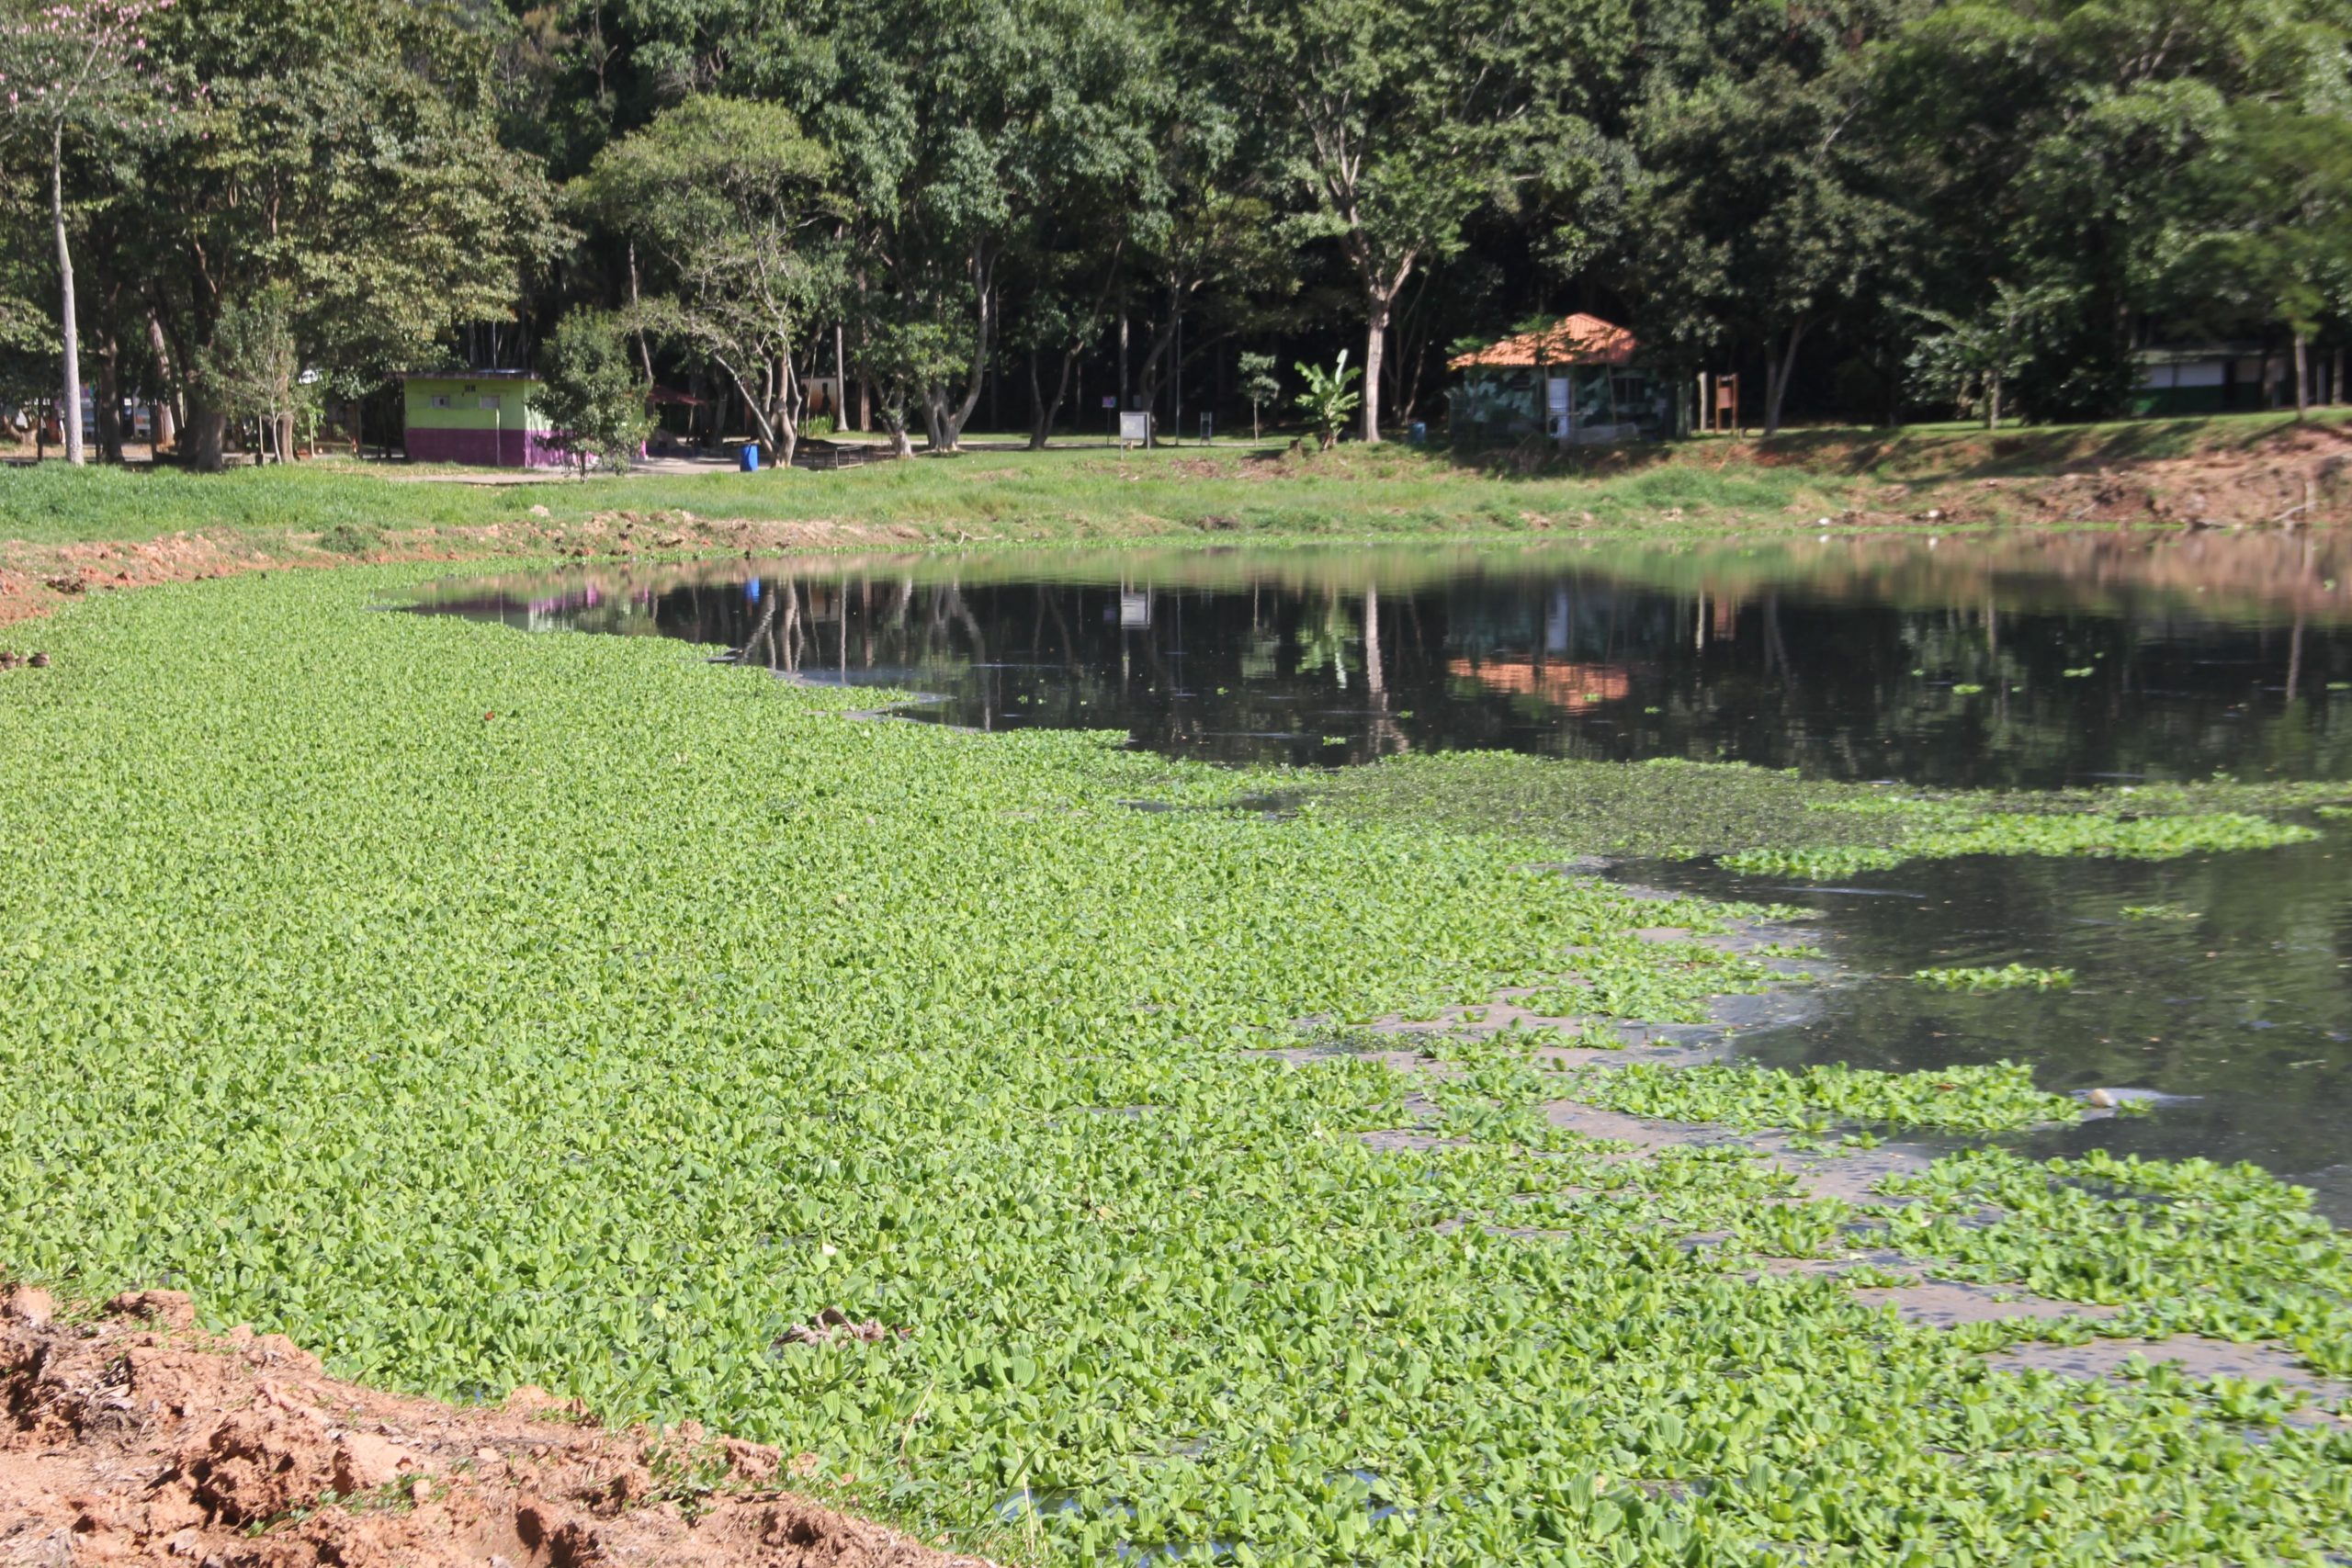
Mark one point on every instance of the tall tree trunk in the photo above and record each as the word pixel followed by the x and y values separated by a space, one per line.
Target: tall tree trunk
pixel 73 332
pixel 1148 379
pixel 1046 410
pixel 108 405
pixel 751 405
pixel 786 427
pixel 2302 377
pixel 1375 342
pixel 952 421
pixel 1993 402
pixel 637 304
pixel 164 422
pixel 1778 369
pixel 204 443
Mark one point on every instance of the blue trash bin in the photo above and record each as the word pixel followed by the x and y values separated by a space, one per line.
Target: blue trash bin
pixel 1419 433
pixel 749 461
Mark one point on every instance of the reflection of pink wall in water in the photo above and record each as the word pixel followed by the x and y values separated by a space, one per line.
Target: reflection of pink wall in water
pixel 486 448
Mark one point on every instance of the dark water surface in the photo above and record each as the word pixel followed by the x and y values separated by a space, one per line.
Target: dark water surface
pixel 2025 662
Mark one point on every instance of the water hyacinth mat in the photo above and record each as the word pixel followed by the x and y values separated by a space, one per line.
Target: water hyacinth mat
pixel 482 1009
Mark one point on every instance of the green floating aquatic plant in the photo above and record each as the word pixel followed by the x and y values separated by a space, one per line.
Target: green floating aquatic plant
pixel 2007 977
pixel 602 1043
pixel 1935 830
pixel 1999 1098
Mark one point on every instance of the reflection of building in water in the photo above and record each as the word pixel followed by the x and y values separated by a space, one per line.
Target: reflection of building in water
pixel 1727 618
pixel 1562 686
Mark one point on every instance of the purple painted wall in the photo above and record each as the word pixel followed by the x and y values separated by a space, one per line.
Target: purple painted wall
pixel 485 448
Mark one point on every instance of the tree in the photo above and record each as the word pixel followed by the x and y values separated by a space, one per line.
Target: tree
pixel 1763 206
pixel 1400 119
pixel 1258 384
pixel 79 66
pixel 251 369
pixel 591 394
pixel 1969 360
pixel 347 150
pixel 732 200
pixel 1010 114
pixel 2062 142
pixel 2278 184
pixel 1212 241
pixel 903 356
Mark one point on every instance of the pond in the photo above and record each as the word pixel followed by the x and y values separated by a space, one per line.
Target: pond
pixel 2010 661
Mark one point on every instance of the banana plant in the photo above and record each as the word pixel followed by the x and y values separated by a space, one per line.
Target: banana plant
pixel 1328 402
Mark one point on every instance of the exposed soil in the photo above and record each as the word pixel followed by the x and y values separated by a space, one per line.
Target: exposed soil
pixel 2295 475
pixel 36 579
pixel 134 1438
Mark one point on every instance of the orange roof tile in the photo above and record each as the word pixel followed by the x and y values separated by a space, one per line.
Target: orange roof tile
pixel 1578 340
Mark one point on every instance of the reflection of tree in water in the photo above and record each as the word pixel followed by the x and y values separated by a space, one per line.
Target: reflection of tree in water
pixel 1322 643
pixel 1585 656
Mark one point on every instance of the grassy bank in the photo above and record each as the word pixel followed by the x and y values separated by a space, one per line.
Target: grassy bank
pixel 1069 492
pixel 1084 492
pixel 485 1009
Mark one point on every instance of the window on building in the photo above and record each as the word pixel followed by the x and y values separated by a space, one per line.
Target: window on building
pixel 441 401
pixel 488 400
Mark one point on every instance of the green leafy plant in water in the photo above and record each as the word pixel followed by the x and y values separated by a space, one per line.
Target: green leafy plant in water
pixel 1999 1097
pixel 2007 977
pixel 547 1048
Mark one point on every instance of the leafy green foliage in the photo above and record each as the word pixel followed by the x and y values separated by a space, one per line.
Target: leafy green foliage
pixel 2007 977
pixel 253 369
pixel 1966 362
pixel 1258 383
pixel 1328 399
pixel 2121 1232
pixel 1935 830
pixel 346 151
pixel 2000 1098
pixel 724 194
pixel 590 395
pixel 483 1010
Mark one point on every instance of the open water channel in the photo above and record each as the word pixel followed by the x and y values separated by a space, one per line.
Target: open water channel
pixel 2009 662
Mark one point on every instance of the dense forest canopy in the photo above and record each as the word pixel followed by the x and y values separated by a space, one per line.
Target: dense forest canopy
pixel 1004 212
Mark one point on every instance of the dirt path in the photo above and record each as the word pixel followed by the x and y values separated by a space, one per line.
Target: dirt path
pixel 134 1438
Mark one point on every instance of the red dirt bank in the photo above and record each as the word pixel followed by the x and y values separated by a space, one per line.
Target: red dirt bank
pixel 136 1438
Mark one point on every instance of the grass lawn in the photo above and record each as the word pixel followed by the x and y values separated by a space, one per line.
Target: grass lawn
pixel 483 1010
pixel 1090 491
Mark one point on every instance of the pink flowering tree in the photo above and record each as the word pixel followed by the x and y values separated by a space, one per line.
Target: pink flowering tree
pixel 77 70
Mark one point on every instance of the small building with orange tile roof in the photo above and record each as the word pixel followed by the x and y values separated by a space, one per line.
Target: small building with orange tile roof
pixel 1577 380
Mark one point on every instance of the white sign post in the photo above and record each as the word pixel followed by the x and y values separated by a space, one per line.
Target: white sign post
pixel 1134 430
